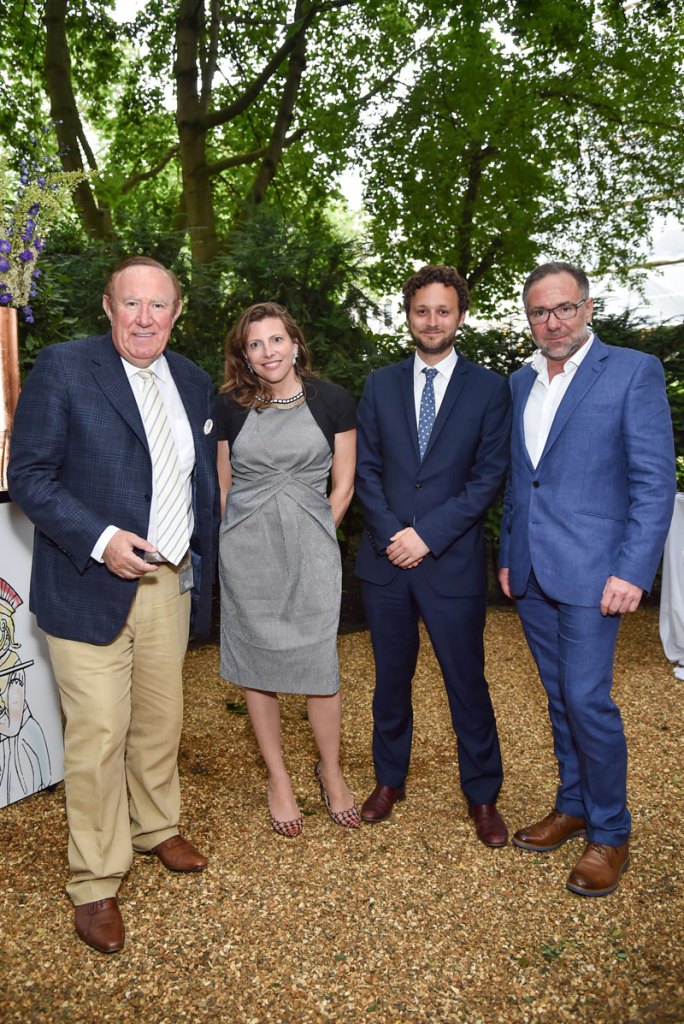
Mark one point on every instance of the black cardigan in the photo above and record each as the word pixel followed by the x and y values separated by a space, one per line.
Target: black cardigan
pixel 331 406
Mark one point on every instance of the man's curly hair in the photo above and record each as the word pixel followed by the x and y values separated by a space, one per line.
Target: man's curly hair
pixel 436 274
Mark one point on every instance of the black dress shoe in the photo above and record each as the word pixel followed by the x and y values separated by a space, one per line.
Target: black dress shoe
pixel 379 804
pixel 100 925
pixel 489 825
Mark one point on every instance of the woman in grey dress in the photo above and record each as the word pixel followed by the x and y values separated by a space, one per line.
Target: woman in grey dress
pixel 282 434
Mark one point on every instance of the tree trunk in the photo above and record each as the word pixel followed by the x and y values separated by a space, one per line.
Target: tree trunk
pixel 96 219
pixel 198 203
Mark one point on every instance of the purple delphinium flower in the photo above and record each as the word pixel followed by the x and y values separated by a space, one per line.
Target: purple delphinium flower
pixel 5 298
pixel 4 264
pixel 5 245
pixel 26 256
pixel 28 315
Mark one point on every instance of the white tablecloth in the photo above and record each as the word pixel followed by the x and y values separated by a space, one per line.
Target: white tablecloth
pixel 672 595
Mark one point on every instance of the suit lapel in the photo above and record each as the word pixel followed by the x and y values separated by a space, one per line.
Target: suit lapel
pixel 409 403
pixel 525 384
pixel 588 372
pixel 191 397
pixel 111 377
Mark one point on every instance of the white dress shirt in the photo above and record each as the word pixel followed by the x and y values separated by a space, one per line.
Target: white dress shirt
pixel 545 397
pixel 182 435
pixel 445 367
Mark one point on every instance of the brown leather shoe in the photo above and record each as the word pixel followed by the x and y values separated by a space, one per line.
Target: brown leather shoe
pixel 549 833
pixel 379 804
pixel 598 871
pixel 489 825
pixel 100 925
pixel 177 854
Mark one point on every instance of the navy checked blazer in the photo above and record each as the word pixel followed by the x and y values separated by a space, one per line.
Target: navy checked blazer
pixel 80 461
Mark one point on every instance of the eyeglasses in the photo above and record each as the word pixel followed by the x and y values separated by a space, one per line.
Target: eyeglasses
pixel 566 311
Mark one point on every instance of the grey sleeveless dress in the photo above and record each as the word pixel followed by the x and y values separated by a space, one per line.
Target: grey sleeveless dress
pixel 279 563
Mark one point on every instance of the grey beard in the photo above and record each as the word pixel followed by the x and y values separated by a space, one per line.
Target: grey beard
pixel 574 347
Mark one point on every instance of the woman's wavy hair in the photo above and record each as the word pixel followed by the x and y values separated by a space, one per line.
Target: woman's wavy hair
pixel 243 385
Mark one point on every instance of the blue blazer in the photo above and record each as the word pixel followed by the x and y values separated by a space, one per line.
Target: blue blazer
pixel 600 501
pixel 446 495
pixel 80 461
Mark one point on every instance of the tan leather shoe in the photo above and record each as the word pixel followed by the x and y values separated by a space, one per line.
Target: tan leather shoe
pixel 379 804
pixel 598 871
pixel 177 854
pixel 549 833
pixel 100 925
pixel 489 825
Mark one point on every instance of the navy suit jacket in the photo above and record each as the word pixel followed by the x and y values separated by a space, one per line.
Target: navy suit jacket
pixel 600 501
pixel 445 496
pixel 79 462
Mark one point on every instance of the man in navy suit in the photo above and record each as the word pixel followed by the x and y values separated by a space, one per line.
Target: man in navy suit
pixel 587 509
pixel 110 587
pixel 432 453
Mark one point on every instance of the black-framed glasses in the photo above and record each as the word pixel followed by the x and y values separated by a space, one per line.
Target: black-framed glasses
pixel 565 311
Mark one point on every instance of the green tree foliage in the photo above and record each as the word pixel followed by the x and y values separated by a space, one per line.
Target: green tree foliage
pixel 196 112
pixel 490 134
pixel 310 268
pixel 530 130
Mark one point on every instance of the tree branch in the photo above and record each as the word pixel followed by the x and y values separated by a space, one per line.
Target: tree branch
pixel 210 61
pixel 240 159
pixel 135 179
pixel 274 150
pixel 303 21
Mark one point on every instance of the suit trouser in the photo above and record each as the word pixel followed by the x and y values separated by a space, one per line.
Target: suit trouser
pixel 574 648
pixel 123 705
pixel 455 626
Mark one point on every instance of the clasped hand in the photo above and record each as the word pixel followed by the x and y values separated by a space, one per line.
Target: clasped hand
pixel 406 550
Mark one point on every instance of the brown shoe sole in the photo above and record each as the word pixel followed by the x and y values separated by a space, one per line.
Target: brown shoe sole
pixel 598 892
pixel 531 848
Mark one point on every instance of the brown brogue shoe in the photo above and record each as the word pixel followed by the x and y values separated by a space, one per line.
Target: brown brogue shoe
pixel 489 825
pixel 379 804
pixel 177 854
pixel 599 869
pixel 549 833
pixel 100 925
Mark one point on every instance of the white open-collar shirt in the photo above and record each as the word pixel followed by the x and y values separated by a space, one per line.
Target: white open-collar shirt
pixel 545 397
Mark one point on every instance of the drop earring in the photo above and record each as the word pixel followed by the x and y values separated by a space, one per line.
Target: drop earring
pixel 294 357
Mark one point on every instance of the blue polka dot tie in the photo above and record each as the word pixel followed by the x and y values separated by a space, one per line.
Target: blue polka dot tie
pixel 427 410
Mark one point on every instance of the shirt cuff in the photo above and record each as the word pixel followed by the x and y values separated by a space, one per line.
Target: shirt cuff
pixel 103 541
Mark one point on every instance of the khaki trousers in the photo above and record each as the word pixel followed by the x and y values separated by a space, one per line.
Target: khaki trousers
pixel 123 705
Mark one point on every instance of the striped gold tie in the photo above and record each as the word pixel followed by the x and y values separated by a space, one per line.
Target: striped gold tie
pixel 172 513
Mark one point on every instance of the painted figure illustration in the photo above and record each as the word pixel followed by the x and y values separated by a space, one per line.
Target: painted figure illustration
pixel 24 758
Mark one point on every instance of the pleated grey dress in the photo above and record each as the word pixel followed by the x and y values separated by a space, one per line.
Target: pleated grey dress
pixel 279 560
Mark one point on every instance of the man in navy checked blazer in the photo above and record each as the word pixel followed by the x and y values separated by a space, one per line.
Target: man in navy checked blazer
pixel 115 611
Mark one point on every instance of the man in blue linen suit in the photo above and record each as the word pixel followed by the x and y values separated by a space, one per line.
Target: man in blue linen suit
pixel 115 607
pixel 587 509
pixel 432 453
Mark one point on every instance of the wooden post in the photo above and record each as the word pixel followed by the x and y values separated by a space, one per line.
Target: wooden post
pixel 9 382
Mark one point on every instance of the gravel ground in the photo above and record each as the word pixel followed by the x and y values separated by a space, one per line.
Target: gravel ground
pixel 408 921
